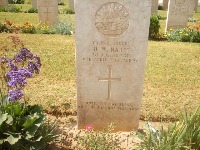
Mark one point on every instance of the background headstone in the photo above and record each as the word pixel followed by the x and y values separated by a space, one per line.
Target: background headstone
pixel 154 6
pixel 165 4
pixel 191 7
pixel 4 3
pixel 109 61
pixel 178 14
pixel 196 5
pixel 71 4
pixel 48 12
pixel 34 3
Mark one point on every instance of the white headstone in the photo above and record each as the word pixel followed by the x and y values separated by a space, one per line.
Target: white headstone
pixel 111 45
pixel 48 12
pixel 4 3
pixel 34 3
pixel 154 6
pixel 165 4
pixel 178 14
pixel 71 4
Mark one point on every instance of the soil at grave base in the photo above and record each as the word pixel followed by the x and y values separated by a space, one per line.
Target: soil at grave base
pixel 69 132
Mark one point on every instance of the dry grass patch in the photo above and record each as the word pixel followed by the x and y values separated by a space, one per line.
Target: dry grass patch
pixel 172 79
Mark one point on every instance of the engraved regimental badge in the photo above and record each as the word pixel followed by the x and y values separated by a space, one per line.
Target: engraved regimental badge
pixel 112 19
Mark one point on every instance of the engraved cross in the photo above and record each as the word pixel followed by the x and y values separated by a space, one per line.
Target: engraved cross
pixel 109 79
pixel 47 12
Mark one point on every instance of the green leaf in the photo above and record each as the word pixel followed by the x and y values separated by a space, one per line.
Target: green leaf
pixel 31 131
pixel 4 101
pixel 40 120
pixel 31 119
pixel 3 118
pixel 15 109
pixel 38 138
pixel 12 139
pixel 38 145
pixel 35 109
pixel 9 120
pixel 34 127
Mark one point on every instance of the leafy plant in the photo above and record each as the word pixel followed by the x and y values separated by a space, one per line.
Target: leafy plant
pixel 22 127
pixel 154 26
pixel 6 26
pixel 3 27
pixel 9 27
pixel 28 28
pixel 184 134
pixel 184 35
pixel 68 11
pixel 64 27
pixel 32 10
pixel 160 7
pixel 104 140
pixel 2 9
pixel 61 3
pixel 16 1
pixel 45 29
pixel 161 18
pixel 14 8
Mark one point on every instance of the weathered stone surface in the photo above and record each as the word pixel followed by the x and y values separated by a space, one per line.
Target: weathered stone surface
pixel 48 12
pixel 111 44
pixel 196 5
pixel 178 14
pixel 71 4
pixel 165 4
pixel 192 7
pixel 34 3
pixel 154 6
pixel 4 3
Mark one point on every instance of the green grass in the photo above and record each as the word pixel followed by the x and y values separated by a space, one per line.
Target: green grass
pixel 23 7
pixel 172 78
pixel 21 18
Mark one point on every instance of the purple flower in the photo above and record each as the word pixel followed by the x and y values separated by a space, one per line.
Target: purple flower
pixel 37 59
pixel 14 95
pixel 23 54
pixel 17 79
pixel 34 66
pixel 11 65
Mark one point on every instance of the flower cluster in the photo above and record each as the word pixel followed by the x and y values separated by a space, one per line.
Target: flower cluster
pixel 21 67
pixel 28 28
pixel 188 34
pixel 14 95
pixel 197 27
pixel 10 27
pixel 17 78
